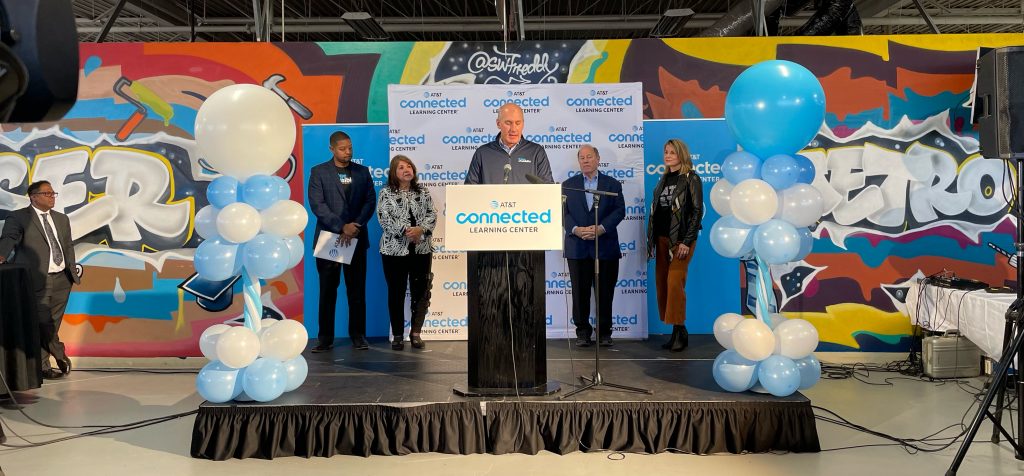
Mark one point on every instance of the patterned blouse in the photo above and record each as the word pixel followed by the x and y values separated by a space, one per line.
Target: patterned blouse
pixel 394 210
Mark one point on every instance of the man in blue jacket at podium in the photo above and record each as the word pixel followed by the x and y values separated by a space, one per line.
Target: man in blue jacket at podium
pixel 580 235
pixel 506 293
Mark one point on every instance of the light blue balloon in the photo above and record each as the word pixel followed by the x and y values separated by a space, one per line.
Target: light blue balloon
pixel 260 191
pixel 806 169
pixel 776 241
pixel 775 107
pixel 284 192
pixel 778 375
pixel 806 243
pixel 217 259
pixel 266 256
pixel 810 371
pixel 296 369
pixel 218 383
pixel 734 373
pixel 295 250
pixel 741 165
pixel 265 379
pixel 223 191
pixel 732 238
pixel 780 171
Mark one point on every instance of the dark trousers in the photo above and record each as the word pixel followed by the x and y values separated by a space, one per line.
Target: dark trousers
pixel 412 270
pixel 581 272
pixel 355 289
pixel 52 299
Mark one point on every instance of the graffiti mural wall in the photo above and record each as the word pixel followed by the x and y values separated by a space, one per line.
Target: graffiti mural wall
pixel 907 193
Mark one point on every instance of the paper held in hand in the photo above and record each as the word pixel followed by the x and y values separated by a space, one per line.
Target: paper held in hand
pixel 330 247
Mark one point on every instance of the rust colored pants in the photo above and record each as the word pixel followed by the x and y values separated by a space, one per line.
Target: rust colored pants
pixel 670 281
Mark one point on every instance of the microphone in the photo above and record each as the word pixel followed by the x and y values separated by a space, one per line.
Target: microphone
pixel 508 168
pixel 537 180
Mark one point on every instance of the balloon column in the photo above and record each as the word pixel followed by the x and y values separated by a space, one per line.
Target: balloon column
pixel 774 109
pixel 250 228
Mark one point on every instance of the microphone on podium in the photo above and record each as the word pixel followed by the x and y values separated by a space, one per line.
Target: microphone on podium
pixel 508 168
pixel 537 180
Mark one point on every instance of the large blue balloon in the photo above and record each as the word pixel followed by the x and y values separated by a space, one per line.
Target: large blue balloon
pixel 261 191
pixel 265 379
pixel 732 238
pixel 810 371
pixel 776 242
pixel 218 383
pixel 266 256
pixel 284 192
pixel 806 169
pixel 223 191
pixel 806 243
pixel 217 259
pixel 296 370
pixel 780 171
pixel 734 373
pixel 741 165
pixel 775 107
pixel 778 375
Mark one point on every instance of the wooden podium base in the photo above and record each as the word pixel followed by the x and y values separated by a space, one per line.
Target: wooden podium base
pixel 539 391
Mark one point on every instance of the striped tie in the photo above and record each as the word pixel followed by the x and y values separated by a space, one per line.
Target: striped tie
pixel 52 238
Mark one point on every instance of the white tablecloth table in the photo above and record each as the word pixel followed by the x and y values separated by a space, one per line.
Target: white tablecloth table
pixel 978 315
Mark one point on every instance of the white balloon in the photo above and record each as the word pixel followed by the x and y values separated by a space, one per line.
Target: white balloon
pixel 206 222
pixel 753 201
pixel 720 195
pixel 265 323
pixel 724 326
pixel 284 340
pixel 795 338
pixel 753 340
pixel 801 205
pixel 238 347
pixel 208 341
pixel 238 222
pixel 284 218
pixel 295 250
pixel 776 319
pixel 244 130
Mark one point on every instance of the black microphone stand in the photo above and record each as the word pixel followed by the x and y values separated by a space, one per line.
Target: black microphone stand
pixel 598 380
pixel 1011 351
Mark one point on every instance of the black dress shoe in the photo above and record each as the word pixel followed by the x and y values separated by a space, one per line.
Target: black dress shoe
pixel 64 365
pixel 52 374
pixel 397 343
pixel 606 342
pixel 417 343
pixel 583 342
pixel 321 348
pixel 360 343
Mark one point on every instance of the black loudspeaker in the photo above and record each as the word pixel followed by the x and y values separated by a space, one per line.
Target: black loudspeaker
pixel 999 103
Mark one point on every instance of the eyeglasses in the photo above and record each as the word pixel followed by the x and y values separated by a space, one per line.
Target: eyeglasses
pixel 46 194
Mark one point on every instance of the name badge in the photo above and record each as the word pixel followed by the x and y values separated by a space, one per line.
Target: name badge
pixel 523 160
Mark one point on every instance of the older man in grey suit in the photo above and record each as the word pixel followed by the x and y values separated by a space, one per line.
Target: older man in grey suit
pixel 41 240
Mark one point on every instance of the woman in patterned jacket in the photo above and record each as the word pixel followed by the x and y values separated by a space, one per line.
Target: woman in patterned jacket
pixel 407 216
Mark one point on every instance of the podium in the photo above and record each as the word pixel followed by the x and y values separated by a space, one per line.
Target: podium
pixel 505 229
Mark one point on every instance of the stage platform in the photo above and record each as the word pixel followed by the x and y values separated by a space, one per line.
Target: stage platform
pixel 385 402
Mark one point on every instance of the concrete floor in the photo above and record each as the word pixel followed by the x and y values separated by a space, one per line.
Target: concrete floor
pixel 907 408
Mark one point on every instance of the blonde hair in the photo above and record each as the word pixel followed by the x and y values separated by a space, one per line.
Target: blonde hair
pixel 683 152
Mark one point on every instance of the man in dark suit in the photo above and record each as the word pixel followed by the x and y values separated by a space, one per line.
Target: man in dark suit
pixel 580 234
pixel 342 197
pixel 41 240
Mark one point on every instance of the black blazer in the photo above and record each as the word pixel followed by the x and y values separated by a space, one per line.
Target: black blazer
pixel 687 211
pixel 610 213
pixel 333 209
pixel 24 234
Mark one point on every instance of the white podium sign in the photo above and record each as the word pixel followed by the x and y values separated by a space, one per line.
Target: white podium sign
pixel 503 217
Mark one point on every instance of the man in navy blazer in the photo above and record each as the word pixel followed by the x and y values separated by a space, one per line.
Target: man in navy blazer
pixel 342 197
pixel 41 240
pixel 580 234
